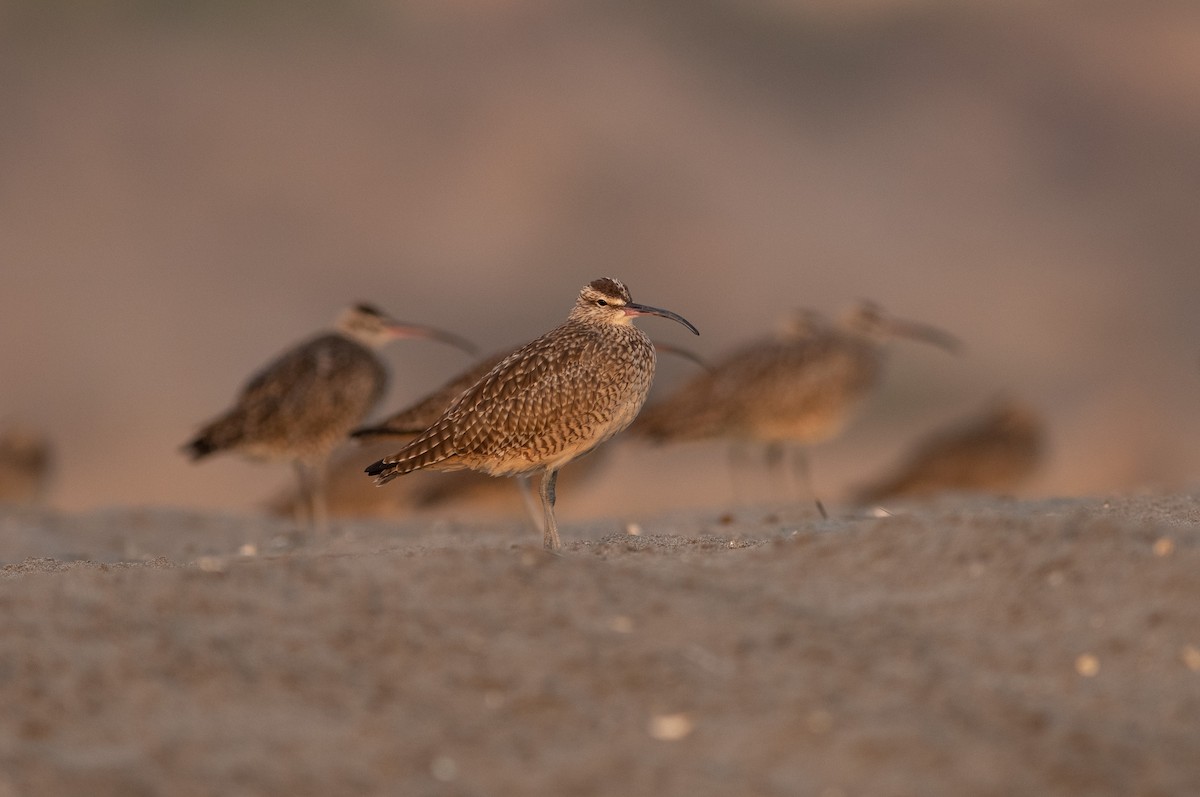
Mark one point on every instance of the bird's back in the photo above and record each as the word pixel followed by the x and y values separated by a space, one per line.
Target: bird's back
pixel 541 406
pixel 420 416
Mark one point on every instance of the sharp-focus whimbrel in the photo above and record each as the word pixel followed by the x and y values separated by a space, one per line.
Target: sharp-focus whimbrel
pixel 466 485
pixel 798 388
pixel 548 402
pixel 993 452
pixel 301 405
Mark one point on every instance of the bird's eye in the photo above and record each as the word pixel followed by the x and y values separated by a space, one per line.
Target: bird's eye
pixel 601 303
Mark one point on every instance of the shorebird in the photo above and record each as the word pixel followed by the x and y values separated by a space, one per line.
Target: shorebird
pixel 465 485
pixel 547 403
pixel 26 462
pixel 993 452
pixel 304 403
pixel 795 389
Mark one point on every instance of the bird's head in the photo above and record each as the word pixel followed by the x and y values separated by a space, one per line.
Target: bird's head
pixel 868 319
pixel 372 327
pixel 607 301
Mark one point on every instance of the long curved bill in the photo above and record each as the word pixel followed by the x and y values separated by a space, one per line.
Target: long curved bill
pixel 680 351
pixel 923 332
pixel 633 308
pixel 400 329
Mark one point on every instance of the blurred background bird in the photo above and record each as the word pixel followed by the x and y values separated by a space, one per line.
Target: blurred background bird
pixel 994 451
pixel 791 390
pixel 26 466
pixel 305 402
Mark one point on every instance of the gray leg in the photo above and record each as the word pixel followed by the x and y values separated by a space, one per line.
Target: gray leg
pixel 550 539
pixel 773 463
pixel 738 471
pixel 803 473
pixel 311 510
pixel 302 506
pixel 320 505
pixel 535 515
pixel 773 455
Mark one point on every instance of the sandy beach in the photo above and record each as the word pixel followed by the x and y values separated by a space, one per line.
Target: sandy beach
pixel 966 647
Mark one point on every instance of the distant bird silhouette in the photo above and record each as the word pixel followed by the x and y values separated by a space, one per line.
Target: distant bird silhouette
pixel 795 389
pixel 304 403
pixel 993 452
pixel 547 403
pixel 26 463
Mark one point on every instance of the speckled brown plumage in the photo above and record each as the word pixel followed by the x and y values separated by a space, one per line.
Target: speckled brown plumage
pixel 305 402
pixel 548 402
pixel 544 405
pixel 300 406
pixel 419 416
pixel 993 452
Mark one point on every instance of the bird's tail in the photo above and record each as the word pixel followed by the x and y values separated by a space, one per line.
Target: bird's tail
pixel 384 471
pixel 430 450
pixel 199 448
pixel 221 434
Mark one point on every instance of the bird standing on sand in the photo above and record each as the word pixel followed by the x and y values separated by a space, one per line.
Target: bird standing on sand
pixel 548 402
pixel 991 453
pixel 798 388
pixel 466 484
pixel 305 402
pixel 26 463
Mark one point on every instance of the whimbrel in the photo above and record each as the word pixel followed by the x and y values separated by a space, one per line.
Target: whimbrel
pixel 26 462
pixel 466 485
pixel 304 403
pixel 548 402
pixel 797 388
pixel 993 452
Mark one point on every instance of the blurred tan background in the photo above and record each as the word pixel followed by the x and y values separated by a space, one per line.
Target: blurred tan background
pixel 188 188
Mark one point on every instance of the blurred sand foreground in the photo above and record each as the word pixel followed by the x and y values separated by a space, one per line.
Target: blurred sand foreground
pixel 970 646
